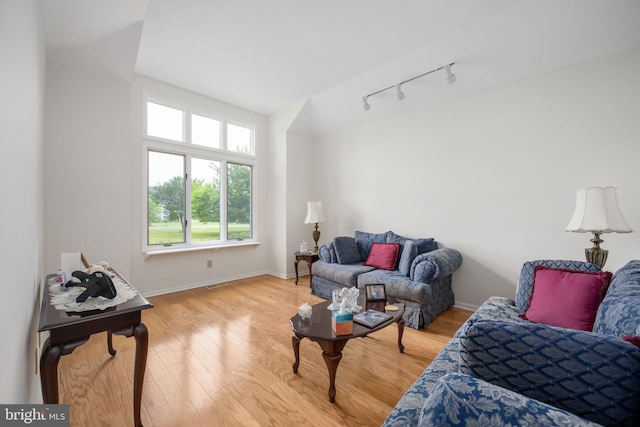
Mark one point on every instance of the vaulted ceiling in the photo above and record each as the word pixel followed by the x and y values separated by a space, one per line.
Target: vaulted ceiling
pixel 269 55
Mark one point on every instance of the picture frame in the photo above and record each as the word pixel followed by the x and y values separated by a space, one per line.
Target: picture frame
pixel 375 292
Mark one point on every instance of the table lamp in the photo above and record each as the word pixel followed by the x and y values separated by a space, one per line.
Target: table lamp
pixel 314 216
pixel 597 212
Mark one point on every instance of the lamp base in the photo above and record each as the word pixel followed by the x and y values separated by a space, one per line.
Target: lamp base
pixel 316 237
pixel 596 255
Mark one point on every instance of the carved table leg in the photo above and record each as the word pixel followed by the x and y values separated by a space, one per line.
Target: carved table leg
pixel 295 341
pixel 49 373
pixel 400 332
pixel 295 265
pixel 49 366
pixel 141 336
pixel 332 361
pixel 332 353
pixel 309 264
pixel 110 343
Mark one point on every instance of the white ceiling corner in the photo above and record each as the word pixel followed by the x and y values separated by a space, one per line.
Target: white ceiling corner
pixel 113 56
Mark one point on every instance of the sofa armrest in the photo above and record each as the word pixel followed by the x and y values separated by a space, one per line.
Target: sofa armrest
pixel 327 253
pixel 434 265
pixel 461 400
pixel 594 376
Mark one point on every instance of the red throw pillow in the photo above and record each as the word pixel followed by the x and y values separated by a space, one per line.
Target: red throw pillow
pixel 566 298
pixel 633 340
pixel 383 256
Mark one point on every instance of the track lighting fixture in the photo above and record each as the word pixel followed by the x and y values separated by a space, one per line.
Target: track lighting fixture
pixel 450 78
pixel 365 104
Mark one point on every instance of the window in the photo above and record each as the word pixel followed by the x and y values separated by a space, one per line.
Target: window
pixel 165 211
pixel 199 181
pixel 164 122
pixel 205 131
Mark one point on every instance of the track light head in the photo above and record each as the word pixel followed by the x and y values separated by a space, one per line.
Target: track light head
pixel 451 78
pixel 365 103
pixel 399 92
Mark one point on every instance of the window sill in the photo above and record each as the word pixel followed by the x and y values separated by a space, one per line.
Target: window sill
pixel 149 253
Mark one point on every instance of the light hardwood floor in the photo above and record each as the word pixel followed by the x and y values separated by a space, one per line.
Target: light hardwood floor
pixel 222 356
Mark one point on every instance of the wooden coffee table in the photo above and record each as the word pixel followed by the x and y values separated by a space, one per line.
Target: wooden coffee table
pixel 318 329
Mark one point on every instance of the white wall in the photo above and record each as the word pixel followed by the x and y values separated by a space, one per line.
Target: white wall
pixel 171 272
pixel 277 184
pixel 22 68
pixel 300 171
pixel 494 174
pixel 88 167
pixel 291 176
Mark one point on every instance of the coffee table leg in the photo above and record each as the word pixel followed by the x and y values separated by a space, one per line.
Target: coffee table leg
pixel 332 353
pixel 295 341
pixel 400 332
pixel 332 361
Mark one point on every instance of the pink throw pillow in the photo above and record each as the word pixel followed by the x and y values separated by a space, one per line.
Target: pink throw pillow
pixel 566 298
pixel 633 340
pixel 383 256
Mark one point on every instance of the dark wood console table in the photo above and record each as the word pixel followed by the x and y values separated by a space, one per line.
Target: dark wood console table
pixel 68 331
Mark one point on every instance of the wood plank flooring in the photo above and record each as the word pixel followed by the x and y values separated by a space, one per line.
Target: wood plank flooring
pixel 222 356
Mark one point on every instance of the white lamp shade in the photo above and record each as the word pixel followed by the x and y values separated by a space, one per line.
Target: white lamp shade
pixel 597 210
pixel 314 213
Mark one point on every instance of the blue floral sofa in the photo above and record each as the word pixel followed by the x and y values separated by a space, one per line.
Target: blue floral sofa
pixel 501 370
pixel 421 279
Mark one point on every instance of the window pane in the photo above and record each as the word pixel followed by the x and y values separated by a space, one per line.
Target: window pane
pixel 205 131
pixel 164 122
pixel 166 199
pixel 238 201
pixel 205 200
pixel 239 139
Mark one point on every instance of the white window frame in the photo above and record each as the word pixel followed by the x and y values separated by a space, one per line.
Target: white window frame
pixel 189 150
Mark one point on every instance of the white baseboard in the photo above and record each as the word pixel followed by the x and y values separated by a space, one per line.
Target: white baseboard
pixel 217 282
pixel 465 306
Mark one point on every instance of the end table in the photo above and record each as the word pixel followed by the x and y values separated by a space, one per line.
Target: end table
pixel 309 258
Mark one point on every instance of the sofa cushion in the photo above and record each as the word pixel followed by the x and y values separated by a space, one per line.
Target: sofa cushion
pixel 462 400
pixel 409 252
pixel 327 253
pixel 346 275
pixel 594 376
pixel 383 256
pixel 619 312
pixel 566 298
pixel 525 283
pixel 424 245
pixel 366 240
pixel 346 250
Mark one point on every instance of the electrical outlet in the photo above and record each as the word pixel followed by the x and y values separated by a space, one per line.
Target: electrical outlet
pixel 209 263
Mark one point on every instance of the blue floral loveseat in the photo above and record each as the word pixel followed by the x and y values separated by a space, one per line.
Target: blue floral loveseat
pixel 502 370
pixel 421 277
